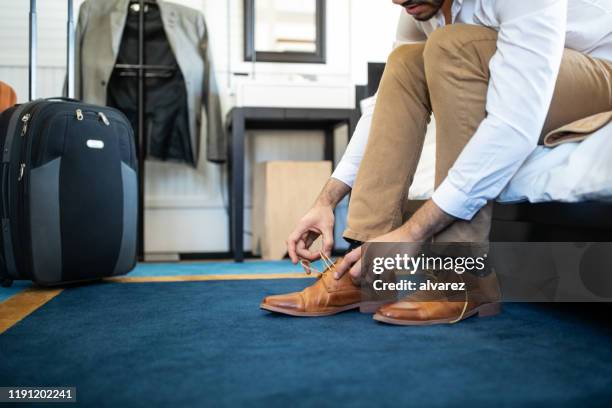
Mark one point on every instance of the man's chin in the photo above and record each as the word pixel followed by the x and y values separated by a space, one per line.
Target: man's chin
pixel 425 15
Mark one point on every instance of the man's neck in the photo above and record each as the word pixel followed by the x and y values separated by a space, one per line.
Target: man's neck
pixel 446 10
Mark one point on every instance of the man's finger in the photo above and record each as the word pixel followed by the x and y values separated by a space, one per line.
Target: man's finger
pixel 347 262
pixel 328 241
pixel 292 243
pixel 355 271
pixel 307 239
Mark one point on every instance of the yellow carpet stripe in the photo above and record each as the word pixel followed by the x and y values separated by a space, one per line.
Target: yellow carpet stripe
pixel 198 278
pixel 18 307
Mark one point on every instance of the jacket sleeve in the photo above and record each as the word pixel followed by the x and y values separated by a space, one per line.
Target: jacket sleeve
pixel 216 138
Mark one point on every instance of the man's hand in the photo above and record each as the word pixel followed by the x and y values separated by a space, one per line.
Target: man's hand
pixel 351 263
pixel 319 221
pixel 424 224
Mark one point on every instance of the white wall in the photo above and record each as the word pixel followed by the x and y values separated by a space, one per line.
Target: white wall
pixel 185 208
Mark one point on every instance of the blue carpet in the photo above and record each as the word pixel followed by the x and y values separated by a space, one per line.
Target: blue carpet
pixel 248 267
pixel 215 268
pixel 208 344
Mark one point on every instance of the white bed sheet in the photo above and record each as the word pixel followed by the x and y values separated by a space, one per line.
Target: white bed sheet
pixel 570 172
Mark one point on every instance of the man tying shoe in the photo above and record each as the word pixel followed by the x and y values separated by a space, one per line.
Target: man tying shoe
pixel 498 75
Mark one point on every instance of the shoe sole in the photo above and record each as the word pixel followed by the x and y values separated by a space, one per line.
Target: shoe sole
pixel 295 313
pixel 486 310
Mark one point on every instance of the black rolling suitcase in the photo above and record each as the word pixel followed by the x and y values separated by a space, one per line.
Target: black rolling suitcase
pixel 69 190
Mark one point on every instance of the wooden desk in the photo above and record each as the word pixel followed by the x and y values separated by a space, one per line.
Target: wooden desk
pixel 241 119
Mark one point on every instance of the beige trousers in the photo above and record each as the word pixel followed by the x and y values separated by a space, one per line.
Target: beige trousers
pixel 449 76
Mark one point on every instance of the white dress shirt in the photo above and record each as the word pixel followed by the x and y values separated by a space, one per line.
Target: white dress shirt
pixel 523 72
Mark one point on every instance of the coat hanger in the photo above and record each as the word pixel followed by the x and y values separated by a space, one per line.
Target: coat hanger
pixel 135 5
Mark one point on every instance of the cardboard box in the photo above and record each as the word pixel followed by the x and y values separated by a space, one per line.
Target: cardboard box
pixel 283 192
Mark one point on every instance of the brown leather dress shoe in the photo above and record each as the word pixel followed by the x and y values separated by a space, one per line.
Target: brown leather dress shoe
pixel 481 297
pixel 327 296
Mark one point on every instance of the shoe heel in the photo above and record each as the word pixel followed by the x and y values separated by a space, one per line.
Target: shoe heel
pixel 489 309
pixel 372 307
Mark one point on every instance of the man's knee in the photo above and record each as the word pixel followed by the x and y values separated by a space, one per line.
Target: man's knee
pixel 406 58
pixel 446 45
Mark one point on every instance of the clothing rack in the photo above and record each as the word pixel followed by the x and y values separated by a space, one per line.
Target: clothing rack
pixel 141 71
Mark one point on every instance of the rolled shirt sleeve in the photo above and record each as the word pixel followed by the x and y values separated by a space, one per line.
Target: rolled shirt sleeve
pixel 346 171
pixel 523 73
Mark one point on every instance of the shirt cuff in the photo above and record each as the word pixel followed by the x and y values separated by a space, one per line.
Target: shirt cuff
pixel 455 202
pixel 346 173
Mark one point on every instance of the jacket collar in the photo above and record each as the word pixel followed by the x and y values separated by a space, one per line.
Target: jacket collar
pixel 117 18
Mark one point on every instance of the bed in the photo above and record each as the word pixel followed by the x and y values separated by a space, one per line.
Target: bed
pixel 558 194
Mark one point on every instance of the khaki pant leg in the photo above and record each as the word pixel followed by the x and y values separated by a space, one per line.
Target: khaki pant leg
pixel 394 146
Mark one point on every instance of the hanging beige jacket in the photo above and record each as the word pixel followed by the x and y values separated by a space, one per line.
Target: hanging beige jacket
pixel 99 31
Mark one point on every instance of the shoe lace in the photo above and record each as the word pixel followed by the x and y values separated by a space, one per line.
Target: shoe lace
pixel 329 265
pixel 431 274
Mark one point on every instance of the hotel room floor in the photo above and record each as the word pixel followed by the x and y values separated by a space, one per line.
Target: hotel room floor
pixel 203 341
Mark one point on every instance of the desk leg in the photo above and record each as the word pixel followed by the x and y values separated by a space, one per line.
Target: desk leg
pixel 236 187
pixel 328 152
pixel 352 124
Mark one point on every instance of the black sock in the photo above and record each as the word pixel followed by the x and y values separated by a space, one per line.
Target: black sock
pixel 352 244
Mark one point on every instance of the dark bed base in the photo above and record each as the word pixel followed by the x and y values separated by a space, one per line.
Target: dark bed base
pixel 552 222
pixel 548 222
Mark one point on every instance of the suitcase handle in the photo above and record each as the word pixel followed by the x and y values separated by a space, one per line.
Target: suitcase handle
pixel 62 98
pixel 33 51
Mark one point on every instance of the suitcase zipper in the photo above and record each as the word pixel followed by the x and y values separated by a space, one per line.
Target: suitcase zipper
pixel 21 171
pixel 25 120
pixel 23 236
pixel 103 118
pixel 24 130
